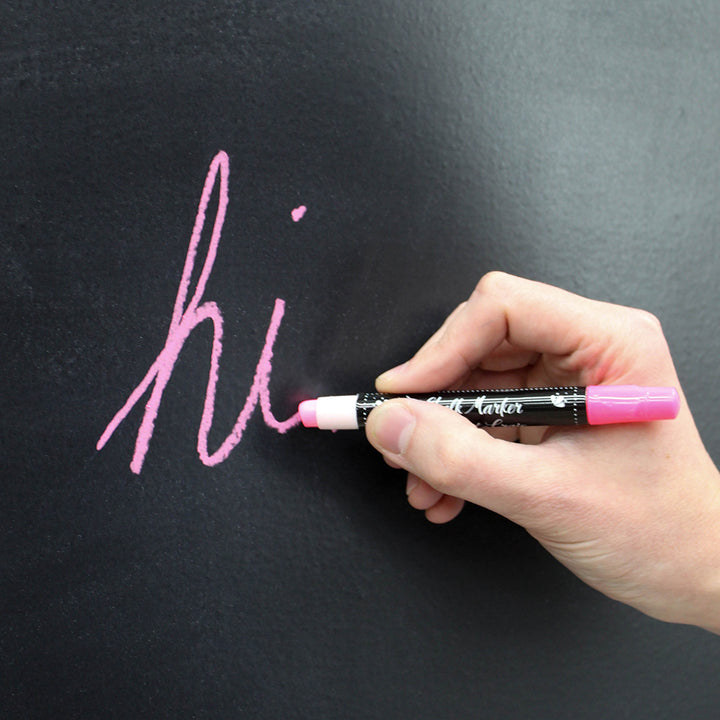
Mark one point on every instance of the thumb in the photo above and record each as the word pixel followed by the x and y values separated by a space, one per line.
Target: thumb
pixel 457 458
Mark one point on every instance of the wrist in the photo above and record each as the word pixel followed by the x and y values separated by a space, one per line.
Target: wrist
pixel 705 611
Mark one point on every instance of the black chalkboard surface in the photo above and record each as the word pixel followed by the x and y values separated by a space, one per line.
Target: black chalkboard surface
pixel 288 198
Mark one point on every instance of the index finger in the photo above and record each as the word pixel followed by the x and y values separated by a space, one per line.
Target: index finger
pixel 505 315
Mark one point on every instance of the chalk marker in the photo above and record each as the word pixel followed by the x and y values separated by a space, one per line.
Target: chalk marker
pixel 592 405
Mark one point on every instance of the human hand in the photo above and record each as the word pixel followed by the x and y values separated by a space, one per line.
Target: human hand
pixel 633 510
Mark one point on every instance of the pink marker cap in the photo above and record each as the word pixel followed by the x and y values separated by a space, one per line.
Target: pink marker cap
pixel 630 403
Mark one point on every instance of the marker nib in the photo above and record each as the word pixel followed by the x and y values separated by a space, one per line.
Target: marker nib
pixel 308 413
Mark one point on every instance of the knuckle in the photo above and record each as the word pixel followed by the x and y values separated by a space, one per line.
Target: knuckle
pixel 646 322
pixel 492 283
pixel 644 330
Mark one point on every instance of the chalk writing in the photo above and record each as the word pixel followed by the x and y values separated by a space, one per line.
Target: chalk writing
pixel 298 212
pixel 184 321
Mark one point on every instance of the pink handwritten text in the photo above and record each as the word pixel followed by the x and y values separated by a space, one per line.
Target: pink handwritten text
pixel 184 321
pixel 298 213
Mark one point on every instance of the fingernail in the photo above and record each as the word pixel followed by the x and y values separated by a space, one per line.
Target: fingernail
pixel 389 375
pixel 412 483
pixel 392 425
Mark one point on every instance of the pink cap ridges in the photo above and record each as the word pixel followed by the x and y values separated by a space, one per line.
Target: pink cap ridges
pixel 630 403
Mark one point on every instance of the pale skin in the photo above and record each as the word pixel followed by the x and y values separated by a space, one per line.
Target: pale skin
pixel 633 510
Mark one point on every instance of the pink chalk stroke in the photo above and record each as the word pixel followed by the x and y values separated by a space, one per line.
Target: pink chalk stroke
pixel 298 212
pixel 184 321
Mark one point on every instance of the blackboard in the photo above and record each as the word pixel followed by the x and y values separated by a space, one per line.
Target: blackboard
pixel 284 576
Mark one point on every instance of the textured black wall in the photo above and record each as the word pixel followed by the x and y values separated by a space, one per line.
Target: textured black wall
pixel 574 142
